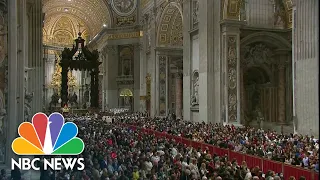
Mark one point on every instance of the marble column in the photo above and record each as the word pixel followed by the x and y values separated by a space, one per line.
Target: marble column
pixel 305 67
pixel 22 56
pixel 12 121
pixel 207 46
pixel 179 97
pixel 35 55
pixel 103 58
pixel 231 68
pixel 49 71
pixel 144 43
pixel 136 76
pixel 281 94
pixel 187 61
pixel 112 92
pixel 154 108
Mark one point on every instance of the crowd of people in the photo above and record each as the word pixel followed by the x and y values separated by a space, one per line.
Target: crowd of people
pixel 114 151
pixel 294 149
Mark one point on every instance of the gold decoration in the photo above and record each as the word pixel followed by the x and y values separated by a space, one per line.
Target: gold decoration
pixel 62 30
pixel 122 21
pixel 170 28
pixel 126 92
pixel 56 78
pixel 93 13
pixel 143 3
pixel 124 35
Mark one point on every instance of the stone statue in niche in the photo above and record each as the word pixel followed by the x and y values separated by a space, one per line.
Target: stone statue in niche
pixel 28 97
pixel 279 14
pixel 259 116
pixel 126 67
pixel 195 95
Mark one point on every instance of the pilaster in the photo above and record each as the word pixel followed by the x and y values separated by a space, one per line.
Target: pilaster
pixel 12 122
pixel 112 93
pixel 35 55
pixel 153 64
pixel 186 61
pixel 206 58
pixel 143 70
pixel 22 56
pixel 136 76
pixel 231 68
pixel 162 84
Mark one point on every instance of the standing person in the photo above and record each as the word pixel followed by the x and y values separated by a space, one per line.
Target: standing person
pixel 3 175
pixel 15 174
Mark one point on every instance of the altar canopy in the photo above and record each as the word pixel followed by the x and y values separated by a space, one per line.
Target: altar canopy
pixel 80 58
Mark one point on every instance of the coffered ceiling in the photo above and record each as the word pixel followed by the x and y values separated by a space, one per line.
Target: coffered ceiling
pixel 68 16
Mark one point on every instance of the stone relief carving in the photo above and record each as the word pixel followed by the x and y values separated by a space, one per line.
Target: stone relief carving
pixel 124 7
pixel 232 77
pixel 3 45
pixel 195 90
pixel 195 11
pixel 162 84
pixel 257 54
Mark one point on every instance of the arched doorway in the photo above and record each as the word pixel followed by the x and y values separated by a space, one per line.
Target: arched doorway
pixel 265 81
pixel 126 99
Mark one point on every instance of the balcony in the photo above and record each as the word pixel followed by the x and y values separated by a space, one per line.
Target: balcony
pixel 125 80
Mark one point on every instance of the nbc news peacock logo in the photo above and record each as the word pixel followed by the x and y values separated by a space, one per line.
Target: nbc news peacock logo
pixel 48 136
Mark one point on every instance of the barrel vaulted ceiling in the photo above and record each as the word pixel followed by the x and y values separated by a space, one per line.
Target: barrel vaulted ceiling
pixel 64 19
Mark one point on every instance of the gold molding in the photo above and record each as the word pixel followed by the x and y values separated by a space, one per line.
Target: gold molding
pixel 123 35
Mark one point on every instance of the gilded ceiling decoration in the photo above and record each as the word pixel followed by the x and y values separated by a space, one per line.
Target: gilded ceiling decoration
pixel 61 30
pixel 170 28
pixel 93 14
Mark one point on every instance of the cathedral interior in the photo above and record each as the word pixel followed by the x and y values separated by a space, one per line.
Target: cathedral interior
pixel 241 62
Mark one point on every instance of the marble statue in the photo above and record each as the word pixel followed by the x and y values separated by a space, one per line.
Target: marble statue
pixel 195 96
pixel 259 116
pixel 279 11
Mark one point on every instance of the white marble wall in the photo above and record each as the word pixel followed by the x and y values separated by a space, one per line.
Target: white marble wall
pixel 260 13
pixel 112 93
pixel 306 58
pixel 195 53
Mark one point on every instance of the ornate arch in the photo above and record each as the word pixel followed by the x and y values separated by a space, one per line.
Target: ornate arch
pixel 268 38
pixel 125 92
pixel 93 13
pixel 169 31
